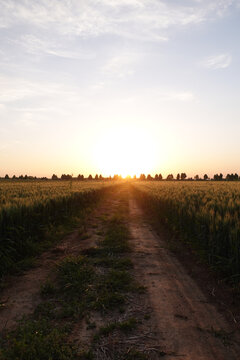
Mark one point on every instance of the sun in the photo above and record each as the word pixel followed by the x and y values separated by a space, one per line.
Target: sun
pixel 125 151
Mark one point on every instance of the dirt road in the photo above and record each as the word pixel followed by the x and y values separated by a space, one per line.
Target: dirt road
pixel 189 327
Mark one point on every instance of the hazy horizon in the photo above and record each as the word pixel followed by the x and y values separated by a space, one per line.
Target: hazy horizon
pixel 119 86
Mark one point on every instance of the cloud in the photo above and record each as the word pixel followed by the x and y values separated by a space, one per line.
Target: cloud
pixel 120 66
pixel 183 96
pixel 41 46
pixel 33 102
pixel 166 95
pixel 220 61
pixel 27 120
pixel 15 89
pixel 139 19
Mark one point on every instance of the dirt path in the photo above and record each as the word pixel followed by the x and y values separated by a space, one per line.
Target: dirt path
pixel 189 327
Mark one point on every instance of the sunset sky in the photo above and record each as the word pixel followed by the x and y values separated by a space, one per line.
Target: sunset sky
pixel 119 86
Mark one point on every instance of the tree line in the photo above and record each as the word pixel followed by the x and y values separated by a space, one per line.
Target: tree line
pixel 157 177
pixel 183 177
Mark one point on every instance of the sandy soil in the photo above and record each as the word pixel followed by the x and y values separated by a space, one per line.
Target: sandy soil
pixel 188 326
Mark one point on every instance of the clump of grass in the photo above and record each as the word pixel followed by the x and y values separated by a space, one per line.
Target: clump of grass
pixel 75 275
pixel 116 239
pixel 85 355
pixel 37 340
pixel 147 317
pixel 46 310
pixel 48 288
pixel 128 325
pixel 108 301
pixel 124 326
pixel 105 330
pixel 91 325
pixel 134 354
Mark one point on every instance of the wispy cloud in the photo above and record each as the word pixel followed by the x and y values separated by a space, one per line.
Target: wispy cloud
pixel 120 66
pixel 34 102
pixel 41 46
pixel 220 61
pixel 176 96
pixel 15 89
pixel 166 95
pixel 26 119
pixel 142 19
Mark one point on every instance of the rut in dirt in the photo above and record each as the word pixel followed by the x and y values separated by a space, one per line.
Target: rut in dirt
pixel 188 326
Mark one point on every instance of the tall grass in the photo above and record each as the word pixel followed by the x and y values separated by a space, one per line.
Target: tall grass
pixel 205 213
pixel 29 209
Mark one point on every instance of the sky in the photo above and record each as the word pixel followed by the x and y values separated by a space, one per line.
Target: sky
pixel 119 86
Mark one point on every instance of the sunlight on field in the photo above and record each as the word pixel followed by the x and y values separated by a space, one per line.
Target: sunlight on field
pixel 125 152
pixel 26 193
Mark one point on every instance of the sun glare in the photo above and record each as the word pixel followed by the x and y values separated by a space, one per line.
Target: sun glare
pixel 126 152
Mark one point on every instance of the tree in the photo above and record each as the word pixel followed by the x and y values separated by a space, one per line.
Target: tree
pixel 232 177
pixel 178 176
pixel 100 177
pixel 170 177
pixel 90 177
pixel 54 177
pixel 156 177
pixel 149 177
pixel 217 177
pixel 66 177
pixel 205 177
pixel 196 177
pixel 183 176
pixel 96 177
pixel 6 176
pixel 142 177
pixel 160 177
